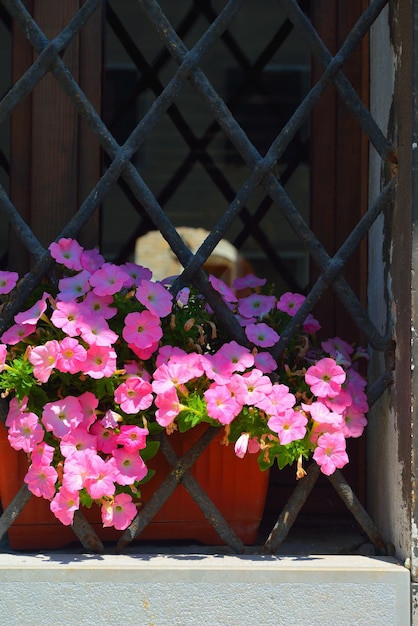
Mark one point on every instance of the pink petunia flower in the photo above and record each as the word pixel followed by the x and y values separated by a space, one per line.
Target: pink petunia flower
pixel 220 404
pixel 67 252
pixel 264 362
pixel 241 358
pixel 42 454
pixel 290 303
pixel 290 425
pixel 8 281
pixel 105 437
pixel 118 513
pixel 41 480
pixel 277 401
pixel 101 482
pixel 94 330
pixel 130 466
pixel 88 405
pixel 320 413
pixel 71 356
pixel 142 329
pixel 311 325
pixel 261 335
pixel 182 297
pixel 64 504
pixel 170 375
pixel 336 345
pixel 257 386
pixel 73 287
pixel 108 280
pixel 100 362
pixel 168 407
pixel 256 305
pixel 32 315
pixel 16 333
pixel 217 367
pixel 134 395
pixel 132 437
pixel 78 469
pixel 331 453
pixel 78 439
pixel 248 282
pixel 25 432
pixel 91 260
pixel 246 444
pixel 137 273
pixel 97 305
pixel 222 288
pixel 16 408
pixel 353 423
pixel 67 316
pixel 325 378
pixel 62 416
pixel 155 298
pixel 43 359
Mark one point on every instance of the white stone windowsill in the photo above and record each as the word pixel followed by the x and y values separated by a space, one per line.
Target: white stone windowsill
pixel 196 589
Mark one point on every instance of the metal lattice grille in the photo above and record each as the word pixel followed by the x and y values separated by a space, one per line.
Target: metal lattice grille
pixel 262 173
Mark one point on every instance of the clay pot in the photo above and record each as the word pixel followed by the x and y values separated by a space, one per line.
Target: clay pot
pixel 236 486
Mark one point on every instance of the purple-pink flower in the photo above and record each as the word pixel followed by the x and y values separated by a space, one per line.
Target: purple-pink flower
pixel 142 329
pixel 262 335
pixel 330 453
pixel 8 281
pixel 118 512
pixel 289 425
pixel 325 378
pixel 111 356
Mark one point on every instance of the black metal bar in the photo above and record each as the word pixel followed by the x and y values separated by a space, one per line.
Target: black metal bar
pixel 355 507
pixel 351 98
pixel 178 474
pixel 15 507
pixel 50 51
pixel 121 162
pixel 261 167
pixel 291 510
pixel 86 534
pixel 22 230
pixel 333 271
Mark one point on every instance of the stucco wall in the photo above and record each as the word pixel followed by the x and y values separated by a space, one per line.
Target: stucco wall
pixel 189 590
pixel 389 442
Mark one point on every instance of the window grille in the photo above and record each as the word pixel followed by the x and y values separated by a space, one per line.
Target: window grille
pixel 183 65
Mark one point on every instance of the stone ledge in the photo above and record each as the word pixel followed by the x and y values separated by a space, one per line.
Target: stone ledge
pixel 193 589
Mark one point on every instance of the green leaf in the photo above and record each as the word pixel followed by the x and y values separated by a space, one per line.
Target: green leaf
pixel 265 463
pixel 85 499
pixel 150 451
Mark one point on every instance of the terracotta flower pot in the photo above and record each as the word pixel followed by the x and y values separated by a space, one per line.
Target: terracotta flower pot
pixel 237 487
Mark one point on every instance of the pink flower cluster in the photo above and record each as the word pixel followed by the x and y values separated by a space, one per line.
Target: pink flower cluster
pixel 93 366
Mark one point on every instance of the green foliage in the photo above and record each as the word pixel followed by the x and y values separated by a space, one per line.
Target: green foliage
pixel 18 377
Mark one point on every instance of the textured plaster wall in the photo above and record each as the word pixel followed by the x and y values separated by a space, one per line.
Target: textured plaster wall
pixel 190 590
pixel 389 420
